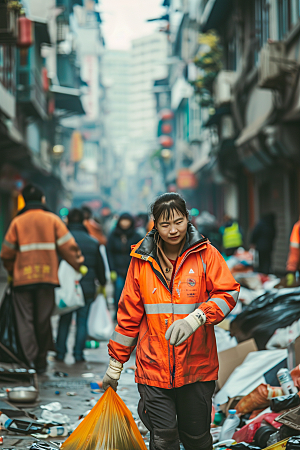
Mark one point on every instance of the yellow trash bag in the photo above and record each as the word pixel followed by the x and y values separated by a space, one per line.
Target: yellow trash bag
pixel 109 426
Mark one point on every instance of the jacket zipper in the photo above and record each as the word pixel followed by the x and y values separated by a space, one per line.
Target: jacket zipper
pixel 173 277
pixel 171 288
pixel 173 370
pixel 166 323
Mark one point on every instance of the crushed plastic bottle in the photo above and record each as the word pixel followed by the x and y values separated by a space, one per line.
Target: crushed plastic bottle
pixel 5 421
pixel 230 425
pixel 57 431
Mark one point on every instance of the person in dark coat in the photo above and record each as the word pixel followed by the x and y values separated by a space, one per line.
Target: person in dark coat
pixel 118 251
pixel 96 270
pixel 262 239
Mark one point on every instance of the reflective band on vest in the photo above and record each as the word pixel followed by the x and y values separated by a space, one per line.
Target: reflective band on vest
pixel 37 246
pixel 169 308
pixel 128 341
pixel 232 237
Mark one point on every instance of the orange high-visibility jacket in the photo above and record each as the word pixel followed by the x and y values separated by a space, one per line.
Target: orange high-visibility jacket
pixel 30 245
pixel 293 261
pixel 148 307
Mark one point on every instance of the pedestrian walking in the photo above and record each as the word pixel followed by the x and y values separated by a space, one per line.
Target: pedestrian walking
pixel 93 227
pixel 177 288
pixel 262 239
pixel 293 261
pixel 96 270
pixel 207 226
pixel 232 237
pixel 119 245
pixel 29 254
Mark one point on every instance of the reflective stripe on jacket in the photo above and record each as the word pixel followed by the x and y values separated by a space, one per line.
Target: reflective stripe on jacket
pixel 30 246
pixel 294 252
pixel 232 236
pixel 148 307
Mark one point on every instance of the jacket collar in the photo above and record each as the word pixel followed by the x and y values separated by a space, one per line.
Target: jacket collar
pixel 148 246
pixel 77 227
pixel 33 205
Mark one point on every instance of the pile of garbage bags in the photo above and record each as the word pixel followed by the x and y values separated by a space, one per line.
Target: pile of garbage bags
pixel 266 314
pixel 257 401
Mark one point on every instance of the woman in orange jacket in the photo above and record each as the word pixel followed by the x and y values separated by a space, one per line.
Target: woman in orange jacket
pixel 178 287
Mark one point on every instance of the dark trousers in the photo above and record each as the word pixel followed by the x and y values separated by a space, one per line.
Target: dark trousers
pixel 119 285
pixel 33 309
pixel 264 262
pixel 181 413
pixel 81 331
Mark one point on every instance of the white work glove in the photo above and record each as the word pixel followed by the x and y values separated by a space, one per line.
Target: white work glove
pixel 182 329
pixel 113 374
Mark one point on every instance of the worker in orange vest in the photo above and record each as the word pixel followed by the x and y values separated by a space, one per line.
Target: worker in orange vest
pixel 29 254
pixel 177 288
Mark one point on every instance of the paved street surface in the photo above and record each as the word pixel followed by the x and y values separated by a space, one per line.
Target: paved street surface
pixel 73 406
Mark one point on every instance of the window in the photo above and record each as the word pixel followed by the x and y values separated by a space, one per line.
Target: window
pixel 288 16
pixel 7 58
pixel 261 22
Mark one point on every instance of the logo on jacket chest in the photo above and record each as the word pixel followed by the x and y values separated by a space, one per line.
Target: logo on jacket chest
pixel 191 282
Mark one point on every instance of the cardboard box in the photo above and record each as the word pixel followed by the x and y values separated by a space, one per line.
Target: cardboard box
pixel 232 358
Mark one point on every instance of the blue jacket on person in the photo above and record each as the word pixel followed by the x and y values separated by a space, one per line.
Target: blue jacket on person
pixel 92 259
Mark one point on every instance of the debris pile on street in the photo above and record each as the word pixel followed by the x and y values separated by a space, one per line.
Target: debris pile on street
pixel 257 403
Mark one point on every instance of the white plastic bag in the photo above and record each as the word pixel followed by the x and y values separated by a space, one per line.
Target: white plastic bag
pixel 69 295
pixel 284 336
pixel 100 324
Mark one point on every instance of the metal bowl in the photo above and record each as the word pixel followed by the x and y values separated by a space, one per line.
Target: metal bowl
pixel 22 396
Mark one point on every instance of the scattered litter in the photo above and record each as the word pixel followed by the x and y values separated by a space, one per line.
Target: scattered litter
pixel 54 406
pixel 57 418
pixel 44 446
pixel 88 375
pixel 22 394
pixel 57 393
pixel 71 394
pixel 60 374
pixel 1 440
pixel 92 402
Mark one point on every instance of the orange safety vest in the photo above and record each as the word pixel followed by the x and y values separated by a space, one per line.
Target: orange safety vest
pixel 30 246
pixel 294 253
pixel 148 307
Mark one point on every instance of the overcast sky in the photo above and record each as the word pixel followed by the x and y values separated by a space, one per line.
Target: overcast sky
pixel 124 20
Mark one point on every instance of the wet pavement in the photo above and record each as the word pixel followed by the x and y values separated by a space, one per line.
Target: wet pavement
pixel 73 390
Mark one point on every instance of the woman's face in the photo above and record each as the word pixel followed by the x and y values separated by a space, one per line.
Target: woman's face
pixel 172 230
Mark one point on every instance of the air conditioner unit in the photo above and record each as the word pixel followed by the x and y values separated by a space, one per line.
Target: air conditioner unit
pixel 272 65
pixel 223 87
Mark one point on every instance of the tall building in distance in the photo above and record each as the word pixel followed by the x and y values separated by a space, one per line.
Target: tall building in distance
pixel 148 63
pixel 116 79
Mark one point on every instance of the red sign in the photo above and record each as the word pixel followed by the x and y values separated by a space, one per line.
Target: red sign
pixel 186 179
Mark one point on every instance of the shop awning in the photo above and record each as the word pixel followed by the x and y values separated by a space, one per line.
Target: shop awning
pixel 252 130
pixel 67 99
pixel 214 13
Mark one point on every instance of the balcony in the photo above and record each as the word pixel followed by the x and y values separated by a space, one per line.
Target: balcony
pixel 30 93
pixel 8 25
pixel 215 13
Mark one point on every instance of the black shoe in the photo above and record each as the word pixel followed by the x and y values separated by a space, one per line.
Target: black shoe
pixel 79 360
pixel 41 370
